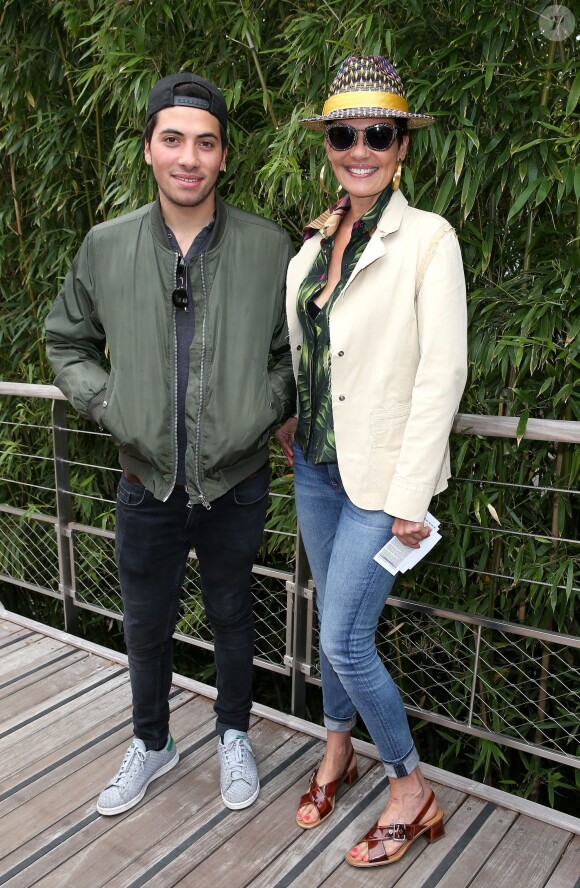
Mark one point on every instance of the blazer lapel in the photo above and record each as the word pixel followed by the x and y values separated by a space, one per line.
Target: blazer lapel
pixel 377 246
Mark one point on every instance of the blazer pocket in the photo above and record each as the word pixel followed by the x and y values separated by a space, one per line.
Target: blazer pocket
pixel 385 420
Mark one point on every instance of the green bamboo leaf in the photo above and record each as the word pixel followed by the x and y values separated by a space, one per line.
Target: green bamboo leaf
pixel 522 425
pixel 473 190
pixel 445 194
pixel 574 96
pixel 516 150
pixel 544 189
pixel 522 199
pixel 489 69
pixel 459 156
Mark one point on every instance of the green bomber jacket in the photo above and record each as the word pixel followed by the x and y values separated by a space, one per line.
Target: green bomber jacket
pixel 117 295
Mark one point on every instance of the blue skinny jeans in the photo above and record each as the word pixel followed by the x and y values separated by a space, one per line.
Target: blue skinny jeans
pixel 351 590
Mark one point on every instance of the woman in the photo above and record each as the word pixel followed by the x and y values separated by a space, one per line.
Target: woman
pixel 377 321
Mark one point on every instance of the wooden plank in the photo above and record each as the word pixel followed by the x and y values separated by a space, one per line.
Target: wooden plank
pixel 26 654
pixel 15 642
pixel 7 628
pixel 62 729
pixel 567 872
pixel 45 687
pixel 527 856
pixel 94 684
pixel 70 802
pixel 39 671
pixel 329 868
pixel 40 718
pixel 109 739
pixel 170 802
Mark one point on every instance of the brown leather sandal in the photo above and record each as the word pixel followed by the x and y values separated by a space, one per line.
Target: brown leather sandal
pixel 406 833
pixel 322 797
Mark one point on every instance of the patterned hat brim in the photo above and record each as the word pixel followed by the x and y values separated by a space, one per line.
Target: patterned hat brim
pixel 414 121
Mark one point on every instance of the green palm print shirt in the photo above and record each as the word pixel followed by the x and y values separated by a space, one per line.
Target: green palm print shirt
pixel 315 430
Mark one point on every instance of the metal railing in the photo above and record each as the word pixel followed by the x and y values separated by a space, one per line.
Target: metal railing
pixel 506 681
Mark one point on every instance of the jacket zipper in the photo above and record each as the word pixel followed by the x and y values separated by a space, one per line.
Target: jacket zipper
pixel 174 310
pixel 202 498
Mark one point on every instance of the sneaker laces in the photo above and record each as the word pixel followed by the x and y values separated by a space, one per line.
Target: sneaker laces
pixel 133 761
pixel 234 756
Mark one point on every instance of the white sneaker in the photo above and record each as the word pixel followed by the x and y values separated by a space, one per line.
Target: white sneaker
pixel 137 770
pixel 239 781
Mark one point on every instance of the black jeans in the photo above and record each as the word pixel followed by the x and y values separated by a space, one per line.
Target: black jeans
pixel 153 539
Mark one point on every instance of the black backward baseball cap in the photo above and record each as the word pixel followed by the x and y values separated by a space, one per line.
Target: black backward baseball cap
pixel 209 99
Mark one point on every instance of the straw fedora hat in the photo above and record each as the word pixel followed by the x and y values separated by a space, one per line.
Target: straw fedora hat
pixel 367 87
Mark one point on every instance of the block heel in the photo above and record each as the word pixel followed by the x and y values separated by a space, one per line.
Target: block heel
pixel 437 830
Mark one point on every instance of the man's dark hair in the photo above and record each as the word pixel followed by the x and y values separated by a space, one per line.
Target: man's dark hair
pixel 194 91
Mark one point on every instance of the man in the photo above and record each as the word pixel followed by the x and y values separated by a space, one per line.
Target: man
pixel 188 295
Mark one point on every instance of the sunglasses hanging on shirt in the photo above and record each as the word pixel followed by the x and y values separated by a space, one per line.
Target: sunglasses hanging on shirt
pixel 378 136
pixel 179 296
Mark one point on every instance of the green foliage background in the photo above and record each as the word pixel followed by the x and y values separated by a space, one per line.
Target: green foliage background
pixel 500 164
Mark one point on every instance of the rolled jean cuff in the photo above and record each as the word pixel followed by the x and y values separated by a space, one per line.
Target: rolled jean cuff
pixel 339 725
pixel 403 768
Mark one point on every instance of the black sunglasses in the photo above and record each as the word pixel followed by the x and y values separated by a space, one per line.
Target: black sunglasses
pixel 378 136
pixel 179 296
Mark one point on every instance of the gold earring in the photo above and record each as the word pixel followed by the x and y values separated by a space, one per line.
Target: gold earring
pixel 323 186
pixel 396 181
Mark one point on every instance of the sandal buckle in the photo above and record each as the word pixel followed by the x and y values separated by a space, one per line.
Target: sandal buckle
pixel 399 831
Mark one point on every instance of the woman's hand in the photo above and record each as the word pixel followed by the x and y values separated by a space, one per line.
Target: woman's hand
pixel 410 533
pixel 285 436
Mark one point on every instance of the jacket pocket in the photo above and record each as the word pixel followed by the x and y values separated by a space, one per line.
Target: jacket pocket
pixel 254 488
pixel 385 420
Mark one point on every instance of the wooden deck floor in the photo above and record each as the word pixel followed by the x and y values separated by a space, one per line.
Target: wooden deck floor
pixel 65 724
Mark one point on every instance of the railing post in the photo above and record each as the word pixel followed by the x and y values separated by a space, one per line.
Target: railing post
pixel 302 600
pixel 475 676
pixel 64 513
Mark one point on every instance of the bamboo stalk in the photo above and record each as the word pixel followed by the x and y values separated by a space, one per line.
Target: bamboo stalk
pixel 100 159
pixel 24 259
pixel 262 79
pixel 73 105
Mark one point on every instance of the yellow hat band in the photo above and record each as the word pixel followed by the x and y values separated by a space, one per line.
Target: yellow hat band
pixel 364 99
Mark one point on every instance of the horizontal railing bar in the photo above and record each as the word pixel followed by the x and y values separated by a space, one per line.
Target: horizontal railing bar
pixel 21 513
pixel 490 426
pixel 506 427
pixel 502 739
pixel 30 390
pixel 486 622
pixel 494 482
pixel 31 587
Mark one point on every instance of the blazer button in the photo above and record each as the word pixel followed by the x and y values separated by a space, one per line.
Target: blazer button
pixel 340 354
pixel 341 397
pixel 298 347
pixel 104 403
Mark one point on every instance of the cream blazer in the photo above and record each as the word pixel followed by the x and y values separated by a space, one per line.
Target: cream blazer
pixel 398 351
